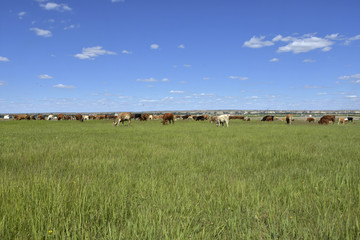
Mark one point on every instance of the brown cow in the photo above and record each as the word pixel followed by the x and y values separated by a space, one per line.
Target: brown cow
pixel 342 120
pixel 168 117
pixel 60 116
pixel 79 117
pixel 327 119
pixel 268 118
pixel 310 119
pixel 22 116
pixel 237 117
pixel 213 119
pixel 121 118
pixel 144 117
pixel 40 117
pixel 99 117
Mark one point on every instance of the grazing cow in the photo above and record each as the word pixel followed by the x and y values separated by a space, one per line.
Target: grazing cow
pixel 99 117
pixel 199 118
pixel 122 117
pixel 342 120
pixel 7 117
pixel 22 116
pixel 32 117
pixel 310 119
pixel 268 118
pixel 151 117
pixel 86 117
pixel 206 117
pixel 327 119
pixel 40 117
pixel 92 117
pixel 222 119
pixel 185 117
pixel 168 117
pixel 50 117
pixel 144 117
pixel 213 119
pixel 79 117
pixel 289 119
pixel 60 116
pixel 248 119
pixel 237 117
pixel 350 119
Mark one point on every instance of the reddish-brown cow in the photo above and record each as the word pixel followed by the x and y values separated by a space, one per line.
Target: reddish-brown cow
pixel 168 117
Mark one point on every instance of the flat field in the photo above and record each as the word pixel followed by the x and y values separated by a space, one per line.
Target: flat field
pixel 190 180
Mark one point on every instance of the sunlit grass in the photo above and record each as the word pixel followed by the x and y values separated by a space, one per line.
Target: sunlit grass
pixel 253 180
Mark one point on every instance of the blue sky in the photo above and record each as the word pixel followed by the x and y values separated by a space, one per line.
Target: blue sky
pixel 143 55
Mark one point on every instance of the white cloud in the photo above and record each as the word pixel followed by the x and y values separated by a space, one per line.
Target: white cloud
pixel 356 81
pixel 117 1
pixel 3 83
pixel 351 96
pixel 41 32
pixel 349 77
pixel 126 52
pixel 4 59
pixel 54 6
pixel 92 52
pixel 181 46
pixel 72 26
pixel 305 44
pixel 154 46
pixel 255 42
pixel 309 60
pixel 176 91
pixel 357 37
pixel 146 80
pixel 274 60
pixel 45 76
pixel 21 15
pixel 206 78
pixel 322 93
pixel 333 36
pixel 312 87
pixel 187 65
pixel 240 78
pixel 63 86
pixel 164 80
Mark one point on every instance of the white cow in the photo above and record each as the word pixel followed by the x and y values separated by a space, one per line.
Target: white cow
pixel 6 117
pixel 150 117
pixel 50 117
pixel 122 117
pixel 222 119
pixel 86 117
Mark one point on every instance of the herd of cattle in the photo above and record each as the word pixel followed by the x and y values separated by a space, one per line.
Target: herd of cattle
pixel 170 118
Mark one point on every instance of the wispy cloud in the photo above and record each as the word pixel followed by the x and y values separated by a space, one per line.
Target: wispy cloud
pixel 41 32
pixel 126 52
pixel 322 93
pixel 350 77
pixel 181 46
pixel 274 60
pixel 4 59
pixel 304 44
pixel 239 78
pixel 309 60
pixel 164 80
pixel 92 52
pixel 21 15
pixel 113 1
pixel 154 46
pixel 187 65
pixel 63 86
pixel 312 87
pixel 176 91
pixel 257 42
pixel 3 83
pixel 72 26
pixel 354 38
pixel 351 96
pixel 45 76
pixel 54 6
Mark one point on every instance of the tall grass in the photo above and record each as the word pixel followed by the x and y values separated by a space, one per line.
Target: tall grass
pixel 253 180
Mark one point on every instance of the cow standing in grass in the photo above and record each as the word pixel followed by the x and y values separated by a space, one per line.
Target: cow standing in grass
pixel 121 118
pixel 168 117
pixel 222 119
pixel 289 119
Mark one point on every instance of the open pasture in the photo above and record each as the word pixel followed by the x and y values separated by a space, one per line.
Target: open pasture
pixel 190 180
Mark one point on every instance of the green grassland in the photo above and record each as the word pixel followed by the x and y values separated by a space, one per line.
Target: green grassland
pixel 190 180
